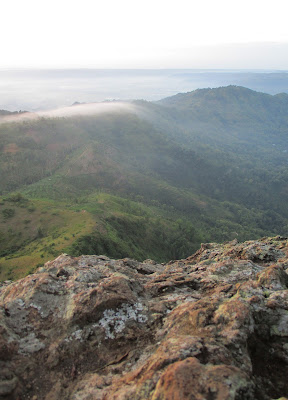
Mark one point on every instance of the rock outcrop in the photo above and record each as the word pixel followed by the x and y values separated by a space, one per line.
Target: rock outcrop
pixel 213 326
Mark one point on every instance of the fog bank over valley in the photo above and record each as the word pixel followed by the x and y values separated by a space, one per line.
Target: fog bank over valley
pixel 76 109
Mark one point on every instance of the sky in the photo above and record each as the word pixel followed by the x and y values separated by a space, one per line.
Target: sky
pixel 251 34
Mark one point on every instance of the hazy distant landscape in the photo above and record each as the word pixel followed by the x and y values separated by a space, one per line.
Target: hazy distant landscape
pixel 141 179
pixel 42 89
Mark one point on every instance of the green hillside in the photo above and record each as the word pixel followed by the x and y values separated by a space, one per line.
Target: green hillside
pixel 209 165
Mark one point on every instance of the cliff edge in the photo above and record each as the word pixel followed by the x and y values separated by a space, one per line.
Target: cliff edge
pixel 213 326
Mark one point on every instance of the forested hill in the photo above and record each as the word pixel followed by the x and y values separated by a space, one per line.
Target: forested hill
pixel 233 103
pixel 242 133
pixel 234 110
pixel 143 179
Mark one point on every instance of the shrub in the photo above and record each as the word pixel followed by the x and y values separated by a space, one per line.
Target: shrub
pixel 8 213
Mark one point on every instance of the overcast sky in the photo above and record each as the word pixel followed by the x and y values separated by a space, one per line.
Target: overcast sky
pixel 144 34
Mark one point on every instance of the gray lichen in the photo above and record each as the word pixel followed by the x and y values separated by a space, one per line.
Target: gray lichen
pixel 114 321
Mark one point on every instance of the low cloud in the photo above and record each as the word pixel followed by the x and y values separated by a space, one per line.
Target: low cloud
pixel 75 110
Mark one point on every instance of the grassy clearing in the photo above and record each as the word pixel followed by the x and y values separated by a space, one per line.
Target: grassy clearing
pixel 38 233
pixel 34 231
pixel 97 224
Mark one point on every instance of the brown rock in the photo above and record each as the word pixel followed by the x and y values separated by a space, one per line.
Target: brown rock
pixel 213 326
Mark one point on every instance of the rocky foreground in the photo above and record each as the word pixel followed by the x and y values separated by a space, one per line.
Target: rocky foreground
pixel 213 326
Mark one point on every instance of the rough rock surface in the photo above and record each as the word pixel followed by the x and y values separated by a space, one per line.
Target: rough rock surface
pixel 213 326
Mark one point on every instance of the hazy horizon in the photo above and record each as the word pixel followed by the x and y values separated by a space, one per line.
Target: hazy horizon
pixel 56 53
pixel 44 89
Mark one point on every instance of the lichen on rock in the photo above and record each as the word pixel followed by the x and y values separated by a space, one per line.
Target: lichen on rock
pixel 114 321
pixel 212 326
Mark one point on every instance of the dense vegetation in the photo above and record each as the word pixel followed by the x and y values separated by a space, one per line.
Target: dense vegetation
pixel 209 165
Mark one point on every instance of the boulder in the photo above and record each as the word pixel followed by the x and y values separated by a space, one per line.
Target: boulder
pixel 212 326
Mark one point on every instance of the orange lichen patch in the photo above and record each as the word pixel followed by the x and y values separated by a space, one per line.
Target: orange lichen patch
pixel 274 277
pixel 191 318
pixel 25 287
pixel 188 379
pixel 234 313
pixel 11 148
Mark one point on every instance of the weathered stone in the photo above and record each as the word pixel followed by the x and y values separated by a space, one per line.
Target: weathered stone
pixel 213 326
